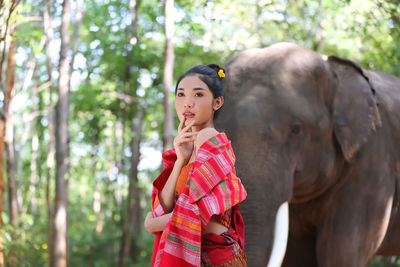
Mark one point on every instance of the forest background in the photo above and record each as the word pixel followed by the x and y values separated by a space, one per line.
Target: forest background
pixel 86 106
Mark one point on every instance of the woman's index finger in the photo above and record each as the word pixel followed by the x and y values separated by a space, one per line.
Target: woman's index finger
pixel 181 124
pixel 186 129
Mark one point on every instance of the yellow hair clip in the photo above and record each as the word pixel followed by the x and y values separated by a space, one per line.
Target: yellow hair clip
pixel 221 73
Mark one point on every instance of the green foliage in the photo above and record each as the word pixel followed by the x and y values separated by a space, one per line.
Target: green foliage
pixel 380 261
pixel 28 242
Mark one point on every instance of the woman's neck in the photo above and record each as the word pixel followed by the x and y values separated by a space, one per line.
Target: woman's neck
pixel 197 128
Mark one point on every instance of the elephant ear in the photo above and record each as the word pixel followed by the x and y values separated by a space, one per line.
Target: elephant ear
pixel 355 111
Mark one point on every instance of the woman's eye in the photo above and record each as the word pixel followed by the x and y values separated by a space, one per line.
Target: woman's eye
pixel 198 94
pixel 179 94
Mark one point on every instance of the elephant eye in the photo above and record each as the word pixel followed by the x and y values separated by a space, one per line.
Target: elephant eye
pixel 295 128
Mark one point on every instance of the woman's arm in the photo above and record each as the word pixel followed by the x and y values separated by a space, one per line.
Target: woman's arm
pixel 183 144
pixel 167 195
pixel 157 224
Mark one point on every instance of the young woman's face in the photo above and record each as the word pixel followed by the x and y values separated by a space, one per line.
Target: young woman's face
pixel 194 100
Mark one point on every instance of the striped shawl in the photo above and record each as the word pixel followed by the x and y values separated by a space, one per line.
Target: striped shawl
pixel 212 188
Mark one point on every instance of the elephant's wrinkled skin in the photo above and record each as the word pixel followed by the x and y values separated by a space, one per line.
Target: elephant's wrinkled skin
pixel 324 135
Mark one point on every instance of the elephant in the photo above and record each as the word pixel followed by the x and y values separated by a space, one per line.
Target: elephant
pixel 322 135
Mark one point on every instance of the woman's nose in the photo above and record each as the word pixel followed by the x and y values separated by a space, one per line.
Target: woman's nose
pixel 187 105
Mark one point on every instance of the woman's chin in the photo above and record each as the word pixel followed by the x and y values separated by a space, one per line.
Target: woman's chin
pixel 189 120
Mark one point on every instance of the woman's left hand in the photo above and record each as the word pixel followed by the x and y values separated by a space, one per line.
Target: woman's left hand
pixel 147 223
pixel 156 224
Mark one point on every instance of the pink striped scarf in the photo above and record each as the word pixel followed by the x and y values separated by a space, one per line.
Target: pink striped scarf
pixel 212 188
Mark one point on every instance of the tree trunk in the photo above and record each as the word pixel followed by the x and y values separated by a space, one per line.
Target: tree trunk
pixel 48 30
pixel 135 208
pixel 62 159
pixel 118 141
pixel 315 40
pixel 96 194
pixel 9 137
pixel 34 178
pixel 168 74
pixel 5 16
pixel 75 38
pixel 1 185
pixel 259 23
pixel 133 218
pixel 9 140
pixel 74 47
pixel 132 205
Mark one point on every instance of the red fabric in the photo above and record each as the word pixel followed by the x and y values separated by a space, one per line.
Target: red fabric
pixel 212 189
pixel 155 247
pixel 169 158
pixel 172 261
pixel 223 248
pixel 219 248
pixel 238 224
pixel 225 218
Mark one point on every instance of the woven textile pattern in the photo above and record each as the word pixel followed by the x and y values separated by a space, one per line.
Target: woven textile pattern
pixel 212 188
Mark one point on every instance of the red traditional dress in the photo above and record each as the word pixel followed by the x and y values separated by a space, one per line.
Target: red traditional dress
pixel 212 192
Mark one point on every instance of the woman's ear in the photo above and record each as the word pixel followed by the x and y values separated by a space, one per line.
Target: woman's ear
pixel 218 102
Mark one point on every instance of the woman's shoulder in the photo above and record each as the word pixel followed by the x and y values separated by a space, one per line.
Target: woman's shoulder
pixel 204 135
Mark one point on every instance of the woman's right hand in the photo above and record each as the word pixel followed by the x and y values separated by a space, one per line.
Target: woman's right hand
pixel 184 142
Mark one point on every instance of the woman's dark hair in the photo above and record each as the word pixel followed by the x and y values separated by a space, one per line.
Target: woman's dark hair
pixel 211 75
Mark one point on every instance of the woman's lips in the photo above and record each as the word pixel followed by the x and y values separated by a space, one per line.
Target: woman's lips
pixel 188 114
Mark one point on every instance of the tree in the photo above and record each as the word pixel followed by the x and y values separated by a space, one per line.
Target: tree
pixel 6 12
pixel 9 138
pixel 9 134
pixel 168 73
pixel 1 187
pixel 132 222
pixel 62 158
pixel 48 31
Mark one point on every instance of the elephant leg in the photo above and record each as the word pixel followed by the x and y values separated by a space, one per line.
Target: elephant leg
pixel 356 223
pixel 390 245
pixel 300 252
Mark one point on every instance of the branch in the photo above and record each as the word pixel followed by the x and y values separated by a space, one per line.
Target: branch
pixel 44 86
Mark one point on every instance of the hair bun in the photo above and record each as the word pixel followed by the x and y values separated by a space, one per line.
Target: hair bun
pixel 220 71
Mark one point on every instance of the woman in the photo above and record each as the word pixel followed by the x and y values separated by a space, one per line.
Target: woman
pixel 195 201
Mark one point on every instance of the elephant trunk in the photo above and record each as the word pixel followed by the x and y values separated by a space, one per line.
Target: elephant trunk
pixel 265 195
